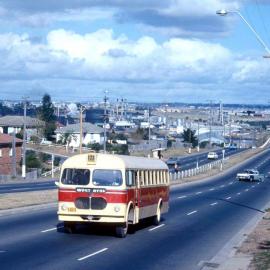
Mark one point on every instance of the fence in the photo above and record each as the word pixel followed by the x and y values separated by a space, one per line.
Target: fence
pixel 33 175
pixel 195 171
pixel 56 169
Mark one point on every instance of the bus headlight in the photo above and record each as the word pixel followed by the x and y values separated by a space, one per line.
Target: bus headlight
pixel 64 207
pixel 117 208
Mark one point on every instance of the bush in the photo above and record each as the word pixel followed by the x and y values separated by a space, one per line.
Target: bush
pixel 95 146
pixel 32 160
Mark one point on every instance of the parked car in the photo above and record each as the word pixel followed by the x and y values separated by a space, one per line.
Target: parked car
pixel 212 155
pixel 250 175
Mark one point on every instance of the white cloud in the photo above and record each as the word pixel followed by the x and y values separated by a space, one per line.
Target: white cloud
pixel 68 61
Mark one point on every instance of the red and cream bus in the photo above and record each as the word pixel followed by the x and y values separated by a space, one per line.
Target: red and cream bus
pixel 115 189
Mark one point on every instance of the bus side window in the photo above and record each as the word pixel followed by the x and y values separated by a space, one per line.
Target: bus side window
pixel 130 178
pixel 141 178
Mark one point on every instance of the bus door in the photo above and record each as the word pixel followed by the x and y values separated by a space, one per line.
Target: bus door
pixel 137 196
pixel 132 182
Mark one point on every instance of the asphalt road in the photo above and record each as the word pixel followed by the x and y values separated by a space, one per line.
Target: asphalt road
pixel 203 217
pixel 185 163
pixel 24 187
pixel 190 162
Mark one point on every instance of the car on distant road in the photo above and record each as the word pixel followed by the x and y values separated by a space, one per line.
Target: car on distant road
pixel 172 161
pixel 212 155
pixel 250 175
pixel 45 142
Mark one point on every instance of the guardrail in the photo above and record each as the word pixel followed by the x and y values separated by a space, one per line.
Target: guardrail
pixel 195 171
pixel 56 169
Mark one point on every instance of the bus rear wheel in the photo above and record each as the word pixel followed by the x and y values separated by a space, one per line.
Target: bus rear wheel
pixel 121 230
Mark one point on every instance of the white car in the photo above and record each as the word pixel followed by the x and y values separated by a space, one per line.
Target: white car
pixel 45 142
pixel 250 175
pixel 212 155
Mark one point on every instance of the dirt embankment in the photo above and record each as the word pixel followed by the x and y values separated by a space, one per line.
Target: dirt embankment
pixel 257 245
pixel 14 200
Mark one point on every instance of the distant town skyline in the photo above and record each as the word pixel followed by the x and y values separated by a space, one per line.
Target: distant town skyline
pixel 172 51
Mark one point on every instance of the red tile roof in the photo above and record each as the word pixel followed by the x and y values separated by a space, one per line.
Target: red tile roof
pixel 7 139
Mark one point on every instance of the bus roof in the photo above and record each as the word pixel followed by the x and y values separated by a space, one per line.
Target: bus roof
pixel 115 161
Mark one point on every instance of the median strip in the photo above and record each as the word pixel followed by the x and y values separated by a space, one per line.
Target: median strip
pixel 92 254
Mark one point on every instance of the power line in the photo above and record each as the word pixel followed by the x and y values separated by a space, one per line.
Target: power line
pixel 262 19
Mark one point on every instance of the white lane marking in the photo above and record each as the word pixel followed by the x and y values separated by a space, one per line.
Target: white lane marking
pixel 231 183
pixel 215 203
pixel 228 198
pixel 238 193
pixel 181 197
pixel 157 227
pixel 191 213
pixel 247 189
pixel 222 186
pixel 252 186
pixel 198 192
pixel 211 189
pixel 92 254
pixel 52 229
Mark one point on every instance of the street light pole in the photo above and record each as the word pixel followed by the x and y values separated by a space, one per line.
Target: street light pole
pixel 24 139
pixel 224 12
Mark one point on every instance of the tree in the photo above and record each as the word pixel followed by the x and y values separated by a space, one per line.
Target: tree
pixel 46 114
pixel 32 160
pixel 189 137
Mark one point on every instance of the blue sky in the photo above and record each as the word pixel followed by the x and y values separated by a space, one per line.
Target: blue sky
pixel 141 50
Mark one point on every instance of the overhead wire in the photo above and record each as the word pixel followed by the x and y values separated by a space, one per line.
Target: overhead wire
pixel 267 33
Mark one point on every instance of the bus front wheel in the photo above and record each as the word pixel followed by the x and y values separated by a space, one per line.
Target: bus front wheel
pixel 157 217
pixel 70 227
pixel 121 230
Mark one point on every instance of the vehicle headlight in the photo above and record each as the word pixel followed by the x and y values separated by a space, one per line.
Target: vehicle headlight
pixel 64 207
pixel 117 208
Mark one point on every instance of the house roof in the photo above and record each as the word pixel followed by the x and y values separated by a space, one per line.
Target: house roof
pixel 7 139
pixel 75 128
pixel 17 121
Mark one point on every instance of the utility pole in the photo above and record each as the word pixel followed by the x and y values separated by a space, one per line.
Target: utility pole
pixel 210 123
pixel 81 127
pixel 149 129
pixel 14 170
pixel 198 134
pixel 105 121
pixel 24 140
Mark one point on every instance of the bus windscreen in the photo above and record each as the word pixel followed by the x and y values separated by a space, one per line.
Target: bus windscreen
pixel 75 177
pixel 107 178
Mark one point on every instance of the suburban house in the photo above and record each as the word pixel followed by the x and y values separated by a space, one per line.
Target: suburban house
pixel 6 153
pixel 71 134
pixel 11 123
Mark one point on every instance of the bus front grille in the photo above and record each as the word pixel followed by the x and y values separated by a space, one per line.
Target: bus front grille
pixel 98 203
pixel 82 203
pixel 91 203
